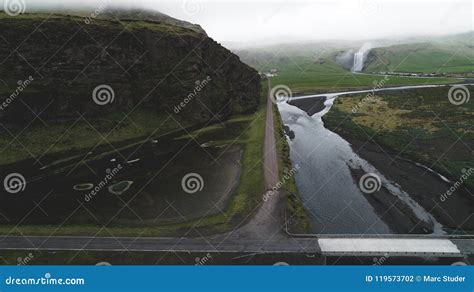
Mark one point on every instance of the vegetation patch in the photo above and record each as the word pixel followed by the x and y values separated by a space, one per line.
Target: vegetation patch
pixel 420 124
pixel 296 217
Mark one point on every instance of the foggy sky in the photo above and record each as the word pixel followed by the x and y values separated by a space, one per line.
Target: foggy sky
pixel 280 21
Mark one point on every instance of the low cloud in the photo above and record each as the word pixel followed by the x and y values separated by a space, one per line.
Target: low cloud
pixel 280 21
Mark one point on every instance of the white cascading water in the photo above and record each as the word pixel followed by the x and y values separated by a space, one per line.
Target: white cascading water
pixel 358 61
pixel 359 57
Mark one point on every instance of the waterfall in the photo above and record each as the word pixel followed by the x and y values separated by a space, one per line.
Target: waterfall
pixel 358 61
pixel 359 57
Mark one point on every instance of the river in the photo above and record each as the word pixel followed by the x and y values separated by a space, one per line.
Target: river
pixel 331 194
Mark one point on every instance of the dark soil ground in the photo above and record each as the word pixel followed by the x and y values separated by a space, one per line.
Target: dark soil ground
pixel 425 187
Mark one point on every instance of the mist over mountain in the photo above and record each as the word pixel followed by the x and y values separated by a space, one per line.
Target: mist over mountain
pixel 272 22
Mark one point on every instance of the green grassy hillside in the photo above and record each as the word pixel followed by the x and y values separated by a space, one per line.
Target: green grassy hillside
pixel 151 65
pixel 441 56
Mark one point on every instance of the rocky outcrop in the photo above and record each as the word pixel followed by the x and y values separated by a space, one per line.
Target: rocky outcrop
pixel 149 64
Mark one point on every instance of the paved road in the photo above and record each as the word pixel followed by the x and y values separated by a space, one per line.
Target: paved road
pixel 217 244
pixel 263 232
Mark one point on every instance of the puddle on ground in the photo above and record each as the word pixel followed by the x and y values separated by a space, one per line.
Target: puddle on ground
pixel 120 187
pixel 83 187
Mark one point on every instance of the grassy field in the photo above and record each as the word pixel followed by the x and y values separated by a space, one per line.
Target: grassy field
pixel 316 72
pixel 420 124
pixel 77 136
pixel 423 58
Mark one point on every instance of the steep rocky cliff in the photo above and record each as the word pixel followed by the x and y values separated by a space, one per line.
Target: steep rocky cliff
pixel 54 63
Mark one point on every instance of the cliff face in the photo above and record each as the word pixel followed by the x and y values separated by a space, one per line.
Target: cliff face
pixel 151 65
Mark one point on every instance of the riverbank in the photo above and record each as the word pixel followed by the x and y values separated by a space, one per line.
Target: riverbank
pixel 296 217
pixel 392 210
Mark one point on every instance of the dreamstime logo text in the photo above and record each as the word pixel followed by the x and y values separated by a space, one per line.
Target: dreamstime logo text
pixel 14 7
pixel 89 19
pixel 370 7
pixel 26 260
pixel 370 97
pixel 281 93
pixel 199 86
pixel 192 7
pixel 45 280
pixel 192 183
pixel 370 183
pixel 287 176
pixel 110 174
pixel 459 264
pixel 103 94
pixel 22 85
pixel 459 94
pixel 466 173
pixel 381 260
pixel 204 260
pixel 14 183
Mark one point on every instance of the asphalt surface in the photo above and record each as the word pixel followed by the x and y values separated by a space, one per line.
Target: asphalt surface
pixel 216 244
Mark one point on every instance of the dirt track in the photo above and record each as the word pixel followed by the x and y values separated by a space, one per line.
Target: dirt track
pixel 268 220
